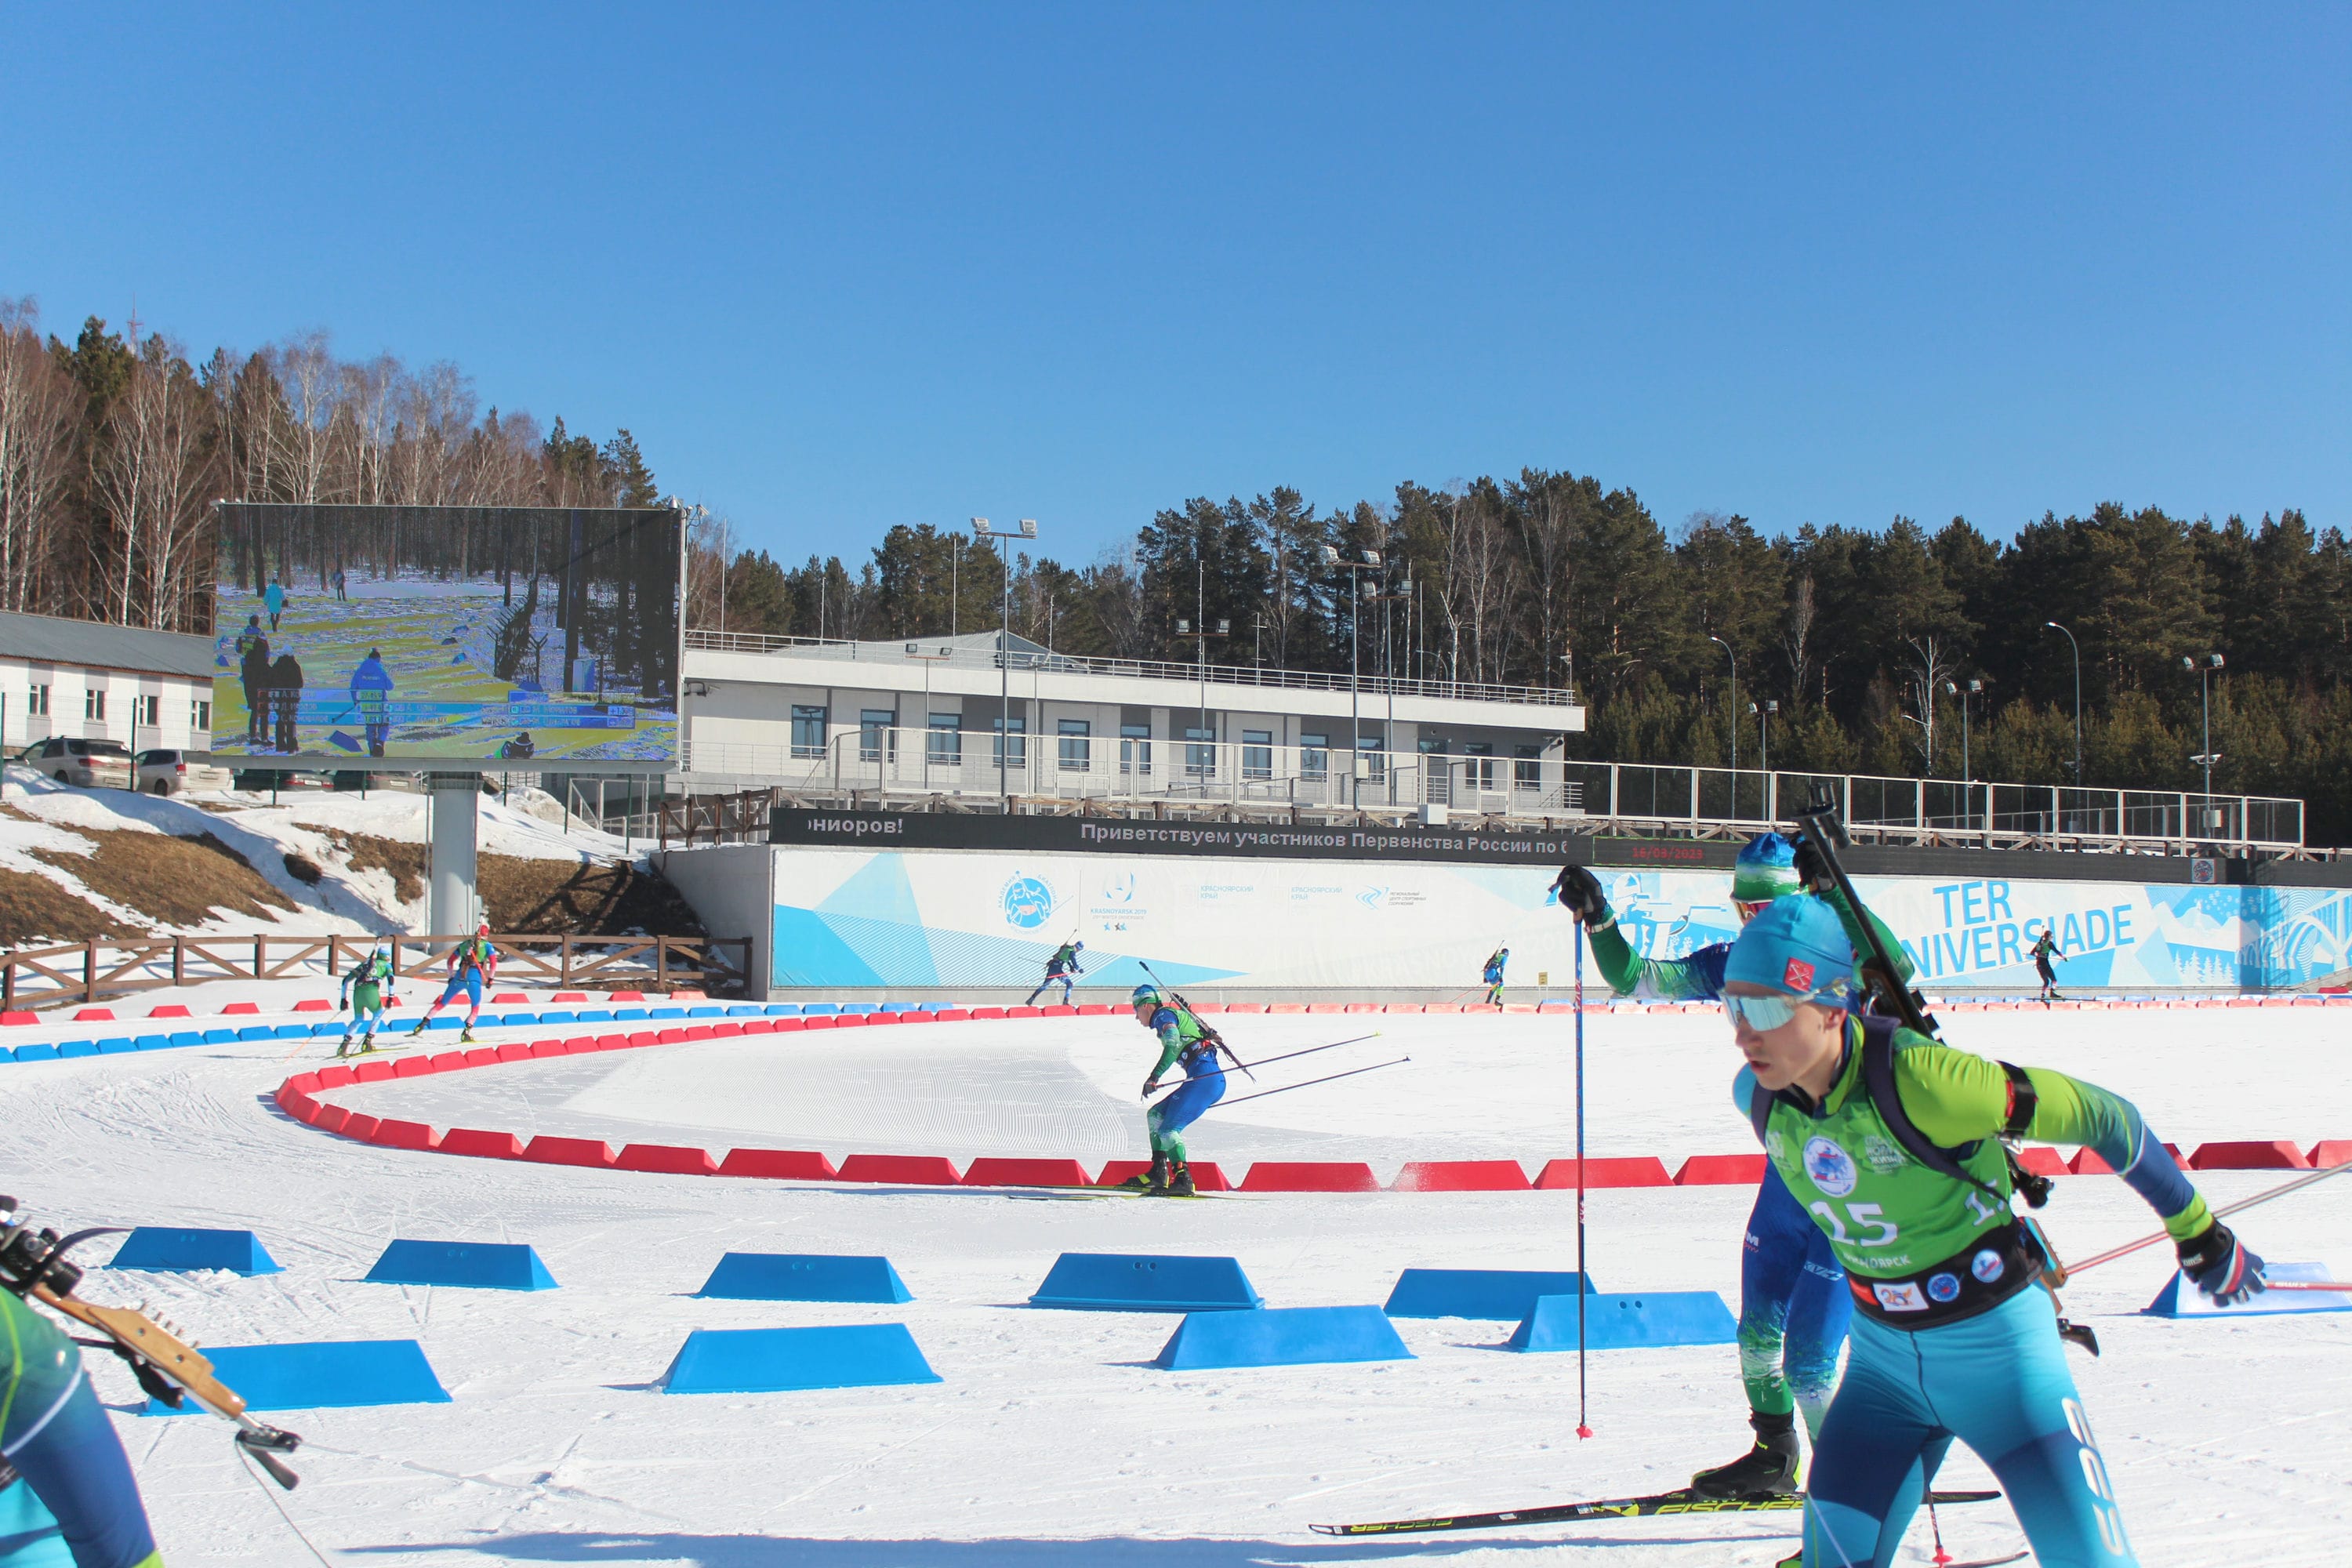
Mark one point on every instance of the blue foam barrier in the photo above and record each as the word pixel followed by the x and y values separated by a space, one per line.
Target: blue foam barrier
pixel 256 1032
pixel 1497 1294
pixel 482 1265
pixel 897 1007
pixel 78 1049
pixel 859 1008
pixel 514 1020
pixel 322 1375
pixel 1628 1322
pixel 319 1030
pixel 566 1017
pixel 446 1021
pixel 818 1009
pixel 188 1038
pixel 2180 1299
pixel 37 1053
pixel 220 1036
pixel 743 1011
pixel 163 1248
pixel 804 1277
pixel 783 1009
pixel 706 1013
pixel 116 1047
pixel 154 1042
pixel 596 1015
pixel 1130 1282
pixel 1281 1336
pixel 779 1360
pixel 666 1013
pixel 290 1032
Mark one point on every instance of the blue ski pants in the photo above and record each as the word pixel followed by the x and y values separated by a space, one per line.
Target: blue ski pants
pixel 1794 1308
pixel 1999 1382
pixel 469 985
pixel 1169 1119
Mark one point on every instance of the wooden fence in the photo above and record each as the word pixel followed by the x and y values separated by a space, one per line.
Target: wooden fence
pixel 739 818
pixel 86 971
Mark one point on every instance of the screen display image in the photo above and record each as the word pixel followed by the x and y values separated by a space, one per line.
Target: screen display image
pixel 499 638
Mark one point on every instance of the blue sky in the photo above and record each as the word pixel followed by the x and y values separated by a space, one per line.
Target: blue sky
pixel 846 267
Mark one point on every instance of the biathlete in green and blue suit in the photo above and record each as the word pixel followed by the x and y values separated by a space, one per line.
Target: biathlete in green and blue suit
pixel 1890 1143
pixel 1792 1294
pixel 367 991
pixel 1185 1042
pixel 68 1499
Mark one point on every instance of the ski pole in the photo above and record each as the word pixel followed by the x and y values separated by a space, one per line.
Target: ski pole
pixel 1287 1088
pixel 1309 1051
pixel 2241 1206
pixel 1583 1285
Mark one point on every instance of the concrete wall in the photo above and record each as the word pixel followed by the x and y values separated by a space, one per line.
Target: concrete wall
pixel 733 890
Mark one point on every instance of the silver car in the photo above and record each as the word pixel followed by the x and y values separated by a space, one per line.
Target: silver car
pixel 93 764
pixel 175 772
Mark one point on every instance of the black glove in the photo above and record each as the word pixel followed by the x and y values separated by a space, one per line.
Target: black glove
pixel 2219 1264
pixel 1581 895
pixel 1812 867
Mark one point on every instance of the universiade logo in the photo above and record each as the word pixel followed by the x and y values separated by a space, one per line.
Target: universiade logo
pixel 1028 902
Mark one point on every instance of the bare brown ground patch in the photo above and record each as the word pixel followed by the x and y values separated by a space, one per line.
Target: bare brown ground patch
pixel 171 880
pixel 365 852
pixel 35 910
pixel 583 898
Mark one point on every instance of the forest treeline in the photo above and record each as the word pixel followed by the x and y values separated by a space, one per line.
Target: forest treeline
pixel 1866 639
pixel 112 452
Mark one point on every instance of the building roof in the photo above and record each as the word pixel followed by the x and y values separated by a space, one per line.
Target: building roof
pixel 93 645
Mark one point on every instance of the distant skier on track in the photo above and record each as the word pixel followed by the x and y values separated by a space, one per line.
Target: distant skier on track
pixel 1185 1042
pixel 1792 1298
pixel 1063 966
pixel 2045 948
pixel 1492 976
pixel 473 963
pixel 1891 1142
pixel 367 991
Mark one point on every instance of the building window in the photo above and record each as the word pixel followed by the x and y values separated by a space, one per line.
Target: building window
pixel 1527 767
pixel 1478 770
pixel 200 715
pixel 1076 746
pixel 37 701
pixel 1258 754
pixel 873 734
pixel 808 730
pixel 1200 752
pixel 946 739
pixel 1135 748
pixel 1314 756
pixel 149 709
pixel 93 702
pixel 1372 751
pixel 1011 750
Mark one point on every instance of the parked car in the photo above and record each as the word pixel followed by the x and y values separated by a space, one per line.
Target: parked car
pixel 172 772
pixel 93 764
pixel 263 780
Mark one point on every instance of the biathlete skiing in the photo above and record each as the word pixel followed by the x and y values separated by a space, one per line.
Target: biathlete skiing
pixel 473 963
pixel 1187 1043
pixel 1062 967
pixel 1492 976
pixel 1792 1294
pixel 1891 1140
pixel 367 991
pixel 2045 948
pixel 67 1487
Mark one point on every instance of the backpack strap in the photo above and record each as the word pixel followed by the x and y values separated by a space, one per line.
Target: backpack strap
pixel 1878 1078
pixel 1759 1110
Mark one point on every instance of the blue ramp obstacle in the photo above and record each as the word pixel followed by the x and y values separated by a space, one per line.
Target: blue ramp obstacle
pixel 482 1265
pixel 322 1375
pixel 1281 1336
pixel 2180 1299
pixel 1628 1322
pixel 1127 1282
pixel 162 1247
pixel 804 1277
pixel 1500 1294
pixel 780 1361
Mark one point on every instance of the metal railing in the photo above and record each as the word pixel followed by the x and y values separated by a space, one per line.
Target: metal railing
pixel 1145 669
pixel 1609 797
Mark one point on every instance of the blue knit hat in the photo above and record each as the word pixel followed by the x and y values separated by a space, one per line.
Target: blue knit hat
pixel 1767 867
pixel 1797 946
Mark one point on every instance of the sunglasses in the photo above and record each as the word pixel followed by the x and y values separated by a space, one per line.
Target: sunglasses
pixel 1762 1014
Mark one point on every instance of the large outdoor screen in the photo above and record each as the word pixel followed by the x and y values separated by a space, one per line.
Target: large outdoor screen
pixel 502 639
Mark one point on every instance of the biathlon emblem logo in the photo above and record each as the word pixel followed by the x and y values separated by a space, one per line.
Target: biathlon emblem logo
pixel 1797 975
pixel 1028 902
pixel 1944 1286
pixel 1829 1167
pixel 1986 1266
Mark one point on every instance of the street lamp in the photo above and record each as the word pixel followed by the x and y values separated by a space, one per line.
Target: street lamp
pixel 979 530
pixel 2055 627
pixel 1968 788
pixel 1735 718
pixel 914 650
pixel 2208 756
pixel 1332 562
pixel 1403 592
pixel 1764 716
pixel 1201 636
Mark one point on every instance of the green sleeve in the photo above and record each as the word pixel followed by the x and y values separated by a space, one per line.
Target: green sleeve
pixel 1171 1046
pixel 1955 1097
pixel 1859 939
pixel 1618 963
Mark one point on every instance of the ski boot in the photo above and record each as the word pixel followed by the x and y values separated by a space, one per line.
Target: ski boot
pixel 1179 1184
pixel 1149 1180
pixel 420 1026
pixel 343 1047
pixel 465 1035
pixel 1767 1470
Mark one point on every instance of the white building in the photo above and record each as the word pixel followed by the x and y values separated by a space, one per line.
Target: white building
pixel 145 689
pixel 925 718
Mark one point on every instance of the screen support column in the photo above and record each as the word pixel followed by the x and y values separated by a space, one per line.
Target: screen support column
pixel 456 801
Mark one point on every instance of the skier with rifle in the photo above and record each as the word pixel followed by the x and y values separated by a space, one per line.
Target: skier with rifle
pixel 1792 1294
pixel 1492 976
pixel 472 962
pixel 1062 967
pixel 1892 1142
pixel 1187 1043
pixel 367 991
pixel 2045 947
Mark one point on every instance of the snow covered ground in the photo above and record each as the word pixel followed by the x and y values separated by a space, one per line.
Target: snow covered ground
pixel 1051 1443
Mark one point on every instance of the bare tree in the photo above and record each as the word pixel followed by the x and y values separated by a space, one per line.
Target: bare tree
pixel 1924 674
pixel 1799 638
pixel 152 477
pixel 37 417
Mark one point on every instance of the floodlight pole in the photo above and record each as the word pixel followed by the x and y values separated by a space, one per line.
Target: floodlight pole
pixel 2055 627
pixel 1333 561
pixel 2205 680
pixel 1028 530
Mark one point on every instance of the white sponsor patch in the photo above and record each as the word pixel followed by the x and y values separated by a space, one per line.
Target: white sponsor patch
pixel 1829 1167
pixel 1900 1298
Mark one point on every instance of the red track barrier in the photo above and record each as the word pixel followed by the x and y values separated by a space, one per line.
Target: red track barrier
pixel 779 1164
pixel 1308 1176
pixel 1715 1171
pixel 1462 1177
pixel 1646 1171
pixel 989 1172
pixel 667 1158
pixel 901 1170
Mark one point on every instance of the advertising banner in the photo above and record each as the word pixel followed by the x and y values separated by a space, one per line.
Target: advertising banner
pixel 537 638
